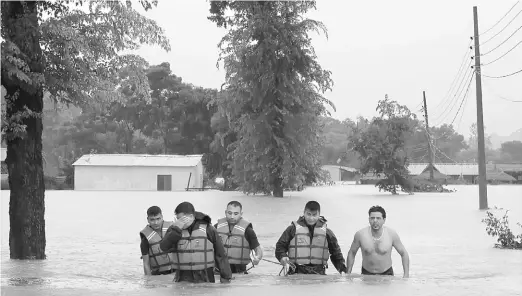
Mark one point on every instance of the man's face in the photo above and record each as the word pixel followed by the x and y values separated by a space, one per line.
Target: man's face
pixel 155 221
pixel 311 217
pixel 376 220
pixel 233 214
pixel 189 218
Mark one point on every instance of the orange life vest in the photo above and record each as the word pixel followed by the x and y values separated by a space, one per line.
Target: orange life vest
pixel 194 251
pixel 235 243
pixel 159 261
pixel 303 251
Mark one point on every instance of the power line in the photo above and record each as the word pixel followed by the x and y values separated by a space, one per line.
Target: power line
pixel 437 149
pixel 465 97
pixel 466 54
pixel 462 114
pixel 417 107
pixel 503 76
pixel 503 54
pixel 503 41
pixel 467 89
pixel 499 96
pixel 502 28
pixel 449 98
pixel 500 19
pixel 514 101
pixel 440 119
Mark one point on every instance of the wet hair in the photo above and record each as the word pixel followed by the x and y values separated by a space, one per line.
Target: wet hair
pixel 235 204
pixel 153 211
pixel 185 207
pixel 313 206
pixel 377 209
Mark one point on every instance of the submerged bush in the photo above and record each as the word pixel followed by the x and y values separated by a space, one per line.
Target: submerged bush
pixel 500 228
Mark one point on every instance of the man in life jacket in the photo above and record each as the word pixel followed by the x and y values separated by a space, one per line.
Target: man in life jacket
pixel 239 238
pixel 307 243
pixel 155 261
pixel 196 247
pixel 377 242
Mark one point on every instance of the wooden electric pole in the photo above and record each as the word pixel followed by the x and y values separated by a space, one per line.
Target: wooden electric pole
pixel 430 155
pixel 483 191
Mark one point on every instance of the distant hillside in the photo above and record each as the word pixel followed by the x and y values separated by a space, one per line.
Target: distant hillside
pixel 497 140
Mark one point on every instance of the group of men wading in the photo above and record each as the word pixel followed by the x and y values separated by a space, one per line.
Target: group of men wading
pixel 195 250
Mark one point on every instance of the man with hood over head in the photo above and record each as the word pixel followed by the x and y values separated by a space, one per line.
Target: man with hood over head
pixel 196 247
pixel 307 243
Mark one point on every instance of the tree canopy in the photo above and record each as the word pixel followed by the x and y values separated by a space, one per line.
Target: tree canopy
pixel 72 53
pixel 274 87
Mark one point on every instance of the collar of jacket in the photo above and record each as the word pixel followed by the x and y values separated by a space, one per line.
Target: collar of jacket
pixel 301 221
pixel 198 219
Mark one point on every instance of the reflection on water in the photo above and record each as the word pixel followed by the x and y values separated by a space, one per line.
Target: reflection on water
pixel 93 243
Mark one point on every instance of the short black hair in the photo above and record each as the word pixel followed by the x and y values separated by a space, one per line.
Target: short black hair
pixel 185 207
pixel 235 204
pixel 153 211
pixel 377 209
pixel 313 206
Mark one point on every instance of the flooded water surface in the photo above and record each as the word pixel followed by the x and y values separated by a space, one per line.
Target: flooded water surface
pixel 93 243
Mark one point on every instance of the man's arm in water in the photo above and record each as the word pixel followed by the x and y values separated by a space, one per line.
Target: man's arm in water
pixel 284 242
pixel 350 259
pixel 251 237
pixel 336 255
pixel 220 256
pixel 144 245
pixel 146 264
pixel 399 247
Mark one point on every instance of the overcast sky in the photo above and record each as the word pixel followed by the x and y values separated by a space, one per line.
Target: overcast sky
pixel 399 48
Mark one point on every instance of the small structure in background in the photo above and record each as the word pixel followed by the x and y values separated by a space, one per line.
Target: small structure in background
pixel 138 172
pixel 465 173
pixel 512 169
pixel 341 173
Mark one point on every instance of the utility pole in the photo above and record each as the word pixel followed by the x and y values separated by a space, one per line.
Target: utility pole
pixel 483 190
pixel 430 155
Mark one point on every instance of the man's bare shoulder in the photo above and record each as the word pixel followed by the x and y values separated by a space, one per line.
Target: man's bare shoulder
pixel 361 232
pixel 392 232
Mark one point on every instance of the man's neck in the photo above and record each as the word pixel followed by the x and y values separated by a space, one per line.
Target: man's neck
pixel 377 232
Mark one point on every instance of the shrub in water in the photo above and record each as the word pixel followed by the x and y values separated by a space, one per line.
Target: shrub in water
pixel 500 228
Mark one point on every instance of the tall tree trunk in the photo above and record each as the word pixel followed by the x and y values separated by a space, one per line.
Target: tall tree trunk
pixel 278 187
pixel 278 126
pixel 24 152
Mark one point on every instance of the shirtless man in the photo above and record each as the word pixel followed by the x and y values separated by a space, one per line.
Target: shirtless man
pixel 376 243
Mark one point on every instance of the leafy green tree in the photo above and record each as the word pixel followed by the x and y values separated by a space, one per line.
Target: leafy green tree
pixel 447 143
pixel 381 145
pixel 179 113
pixel 72 54
pixel 512 151
pixel 274 83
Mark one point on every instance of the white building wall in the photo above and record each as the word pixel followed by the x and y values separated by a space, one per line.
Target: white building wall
pixel 199 175
pixel 132 178
pixel 334 172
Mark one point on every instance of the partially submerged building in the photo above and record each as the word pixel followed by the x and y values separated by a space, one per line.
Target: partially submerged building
pixel 138 172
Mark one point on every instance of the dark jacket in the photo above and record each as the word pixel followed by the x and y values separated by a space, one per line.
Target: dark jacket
pixel 336 255
pixel 172 238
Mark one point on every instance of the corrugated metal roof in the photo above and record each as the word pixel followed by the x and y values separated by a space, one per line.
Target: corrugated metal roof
pixel 450 169
pixel 138 160
pixel 348 169
pixel 509 167
pixel 416 168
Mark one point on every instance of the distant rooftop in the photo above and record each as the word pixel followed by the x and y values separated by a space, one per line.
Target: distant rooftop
pixel 145 160
pixel 348 169
pixel 450 169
